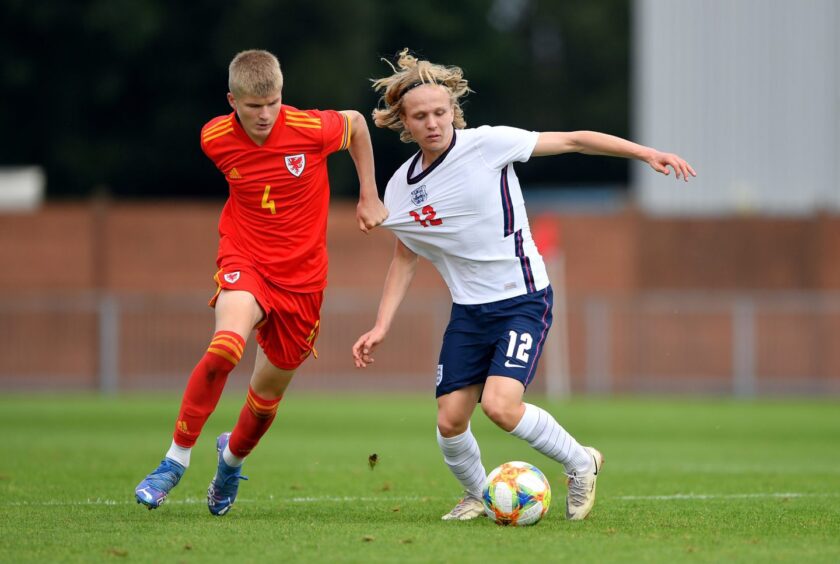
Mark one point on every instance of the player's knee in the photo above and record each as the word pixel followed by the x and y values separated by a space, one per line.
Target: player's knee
pixel 500 411
pixel 222 356
pixel 216 366
pixel 451 426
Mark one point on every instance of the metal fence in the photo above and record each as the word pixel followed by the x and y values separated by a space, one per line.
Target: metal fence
pixel 675 342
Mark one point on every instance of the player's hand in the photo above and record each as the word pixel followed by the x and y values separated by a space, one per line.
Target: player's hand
pixel 370 213
pixel 364 347
pixel 661 161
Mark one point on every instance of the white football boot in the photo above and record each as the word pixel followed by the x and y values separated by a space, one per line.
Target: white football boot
pixel 468 508
pixel 581 496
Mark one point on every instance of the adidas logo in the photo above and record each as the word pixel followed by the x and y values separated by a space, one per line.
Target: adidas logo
pixel 234 174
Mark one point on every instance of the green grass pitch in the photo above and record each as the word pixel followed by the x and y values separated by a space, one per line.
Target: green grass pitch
pixel 685 480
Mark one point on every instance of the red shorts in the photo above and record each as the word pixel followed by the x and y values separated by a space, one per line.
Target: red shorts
pixel 292 320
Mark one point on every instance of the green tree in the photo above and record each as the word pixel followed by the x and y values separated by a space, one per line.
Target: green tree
pixel 111 94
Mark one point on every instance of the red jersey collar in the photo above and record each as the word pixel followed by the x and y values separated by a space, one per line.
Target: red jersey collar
pixel 278 125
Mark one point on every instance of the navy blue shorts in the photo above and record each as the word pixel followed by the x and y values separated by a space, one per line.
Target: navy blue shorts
pixel 503 338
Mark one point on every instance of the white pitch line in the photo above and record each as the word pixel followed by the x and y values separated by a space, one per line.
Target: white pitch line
pixel 351 499
pixel 691 496
pixel 203 501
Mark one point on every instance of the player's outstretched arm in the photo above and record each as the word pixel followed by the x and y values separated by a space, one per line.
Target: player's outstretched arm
pixel 594 143
pixel 400 274
pixel 370 211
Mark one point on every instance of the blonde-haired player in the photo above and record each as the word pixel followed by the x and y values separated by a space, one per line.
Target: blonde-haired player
pixel 458 203
pixel 272 261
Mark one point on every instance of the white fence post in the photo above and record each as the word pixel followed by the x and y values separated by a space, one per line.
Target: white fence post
pixel 109 344
pixel 743 347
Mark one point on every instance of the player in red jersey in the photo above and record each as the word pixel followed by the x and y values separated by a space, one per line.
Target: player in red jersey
pixel 272 260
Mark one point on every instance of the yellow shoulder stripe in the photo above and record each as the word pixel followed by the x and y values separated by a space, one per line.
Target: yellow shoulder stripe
pixel 219 125
pixel 301 117
pixel 291 119
pixel 212 136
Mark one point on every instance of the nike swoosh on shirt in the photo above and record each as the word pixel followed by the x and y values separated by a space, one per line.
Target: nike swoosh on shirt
pixel 508 364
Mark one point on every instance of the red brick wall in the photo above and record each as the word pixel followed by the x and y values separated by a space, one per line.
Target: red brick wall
pixel 48 251
pixel 168 249
pixel 171 246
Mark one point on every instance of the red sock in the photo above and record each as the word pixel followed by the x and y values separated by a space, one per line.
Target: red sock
pixel 206 384
pixel 254 420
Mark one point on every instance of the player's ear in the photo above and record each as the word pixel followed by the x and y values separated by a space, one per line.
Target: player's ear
pixel 231 100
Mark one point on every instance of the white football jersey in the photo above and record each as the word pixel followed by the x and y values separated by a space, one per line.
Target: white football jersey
pixel 465 213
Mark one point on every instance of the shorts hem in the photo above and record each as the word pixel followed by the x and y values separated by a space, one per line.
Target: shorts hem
pixel 273 359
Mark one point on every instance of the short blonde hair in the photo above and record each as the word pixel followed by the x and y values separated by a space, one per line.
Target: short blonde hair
pixel 255 73
pixel 413 72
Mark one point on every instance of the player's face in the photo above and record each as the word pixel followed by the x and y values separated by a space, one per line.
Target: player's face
pixel 257 115
pixel 428 115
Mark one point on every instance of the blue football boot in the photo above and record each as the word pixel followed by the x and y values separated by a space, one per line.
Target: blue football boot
pixel 152 491
pixel 223 489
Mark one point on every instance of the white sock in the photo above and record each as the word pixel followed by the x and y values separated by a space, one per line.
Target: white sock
pixel 179 454
pixel 230 458
pixel 462 455
pixel 542 432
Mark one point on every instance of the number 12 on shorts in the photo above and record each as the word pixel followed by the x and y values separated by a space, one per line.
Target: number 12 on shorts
pixel 519 345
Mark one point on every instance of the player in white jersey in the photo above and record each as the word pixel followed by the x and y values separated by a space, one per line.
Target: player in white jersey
pixel 458 203
pixel 485 231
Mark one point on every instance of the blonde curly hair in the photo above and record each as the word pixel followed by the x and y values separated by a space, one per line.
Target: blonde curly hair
pixel 412 73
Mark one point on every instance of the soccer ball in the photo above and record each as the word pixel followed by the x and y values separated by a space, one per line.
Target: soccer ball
pixel 516 493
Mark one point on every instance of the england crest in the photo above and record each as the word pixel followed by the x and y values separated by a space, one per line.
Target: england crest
pixel 418 195
pixel 296 163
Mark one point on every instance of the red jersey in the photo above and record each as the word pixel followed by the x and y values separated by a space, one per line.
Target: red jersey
pixel 275 217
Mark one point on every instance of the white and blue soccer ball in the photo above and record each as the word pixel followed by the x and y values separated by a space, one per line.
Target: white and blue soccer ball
pixel 516 493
